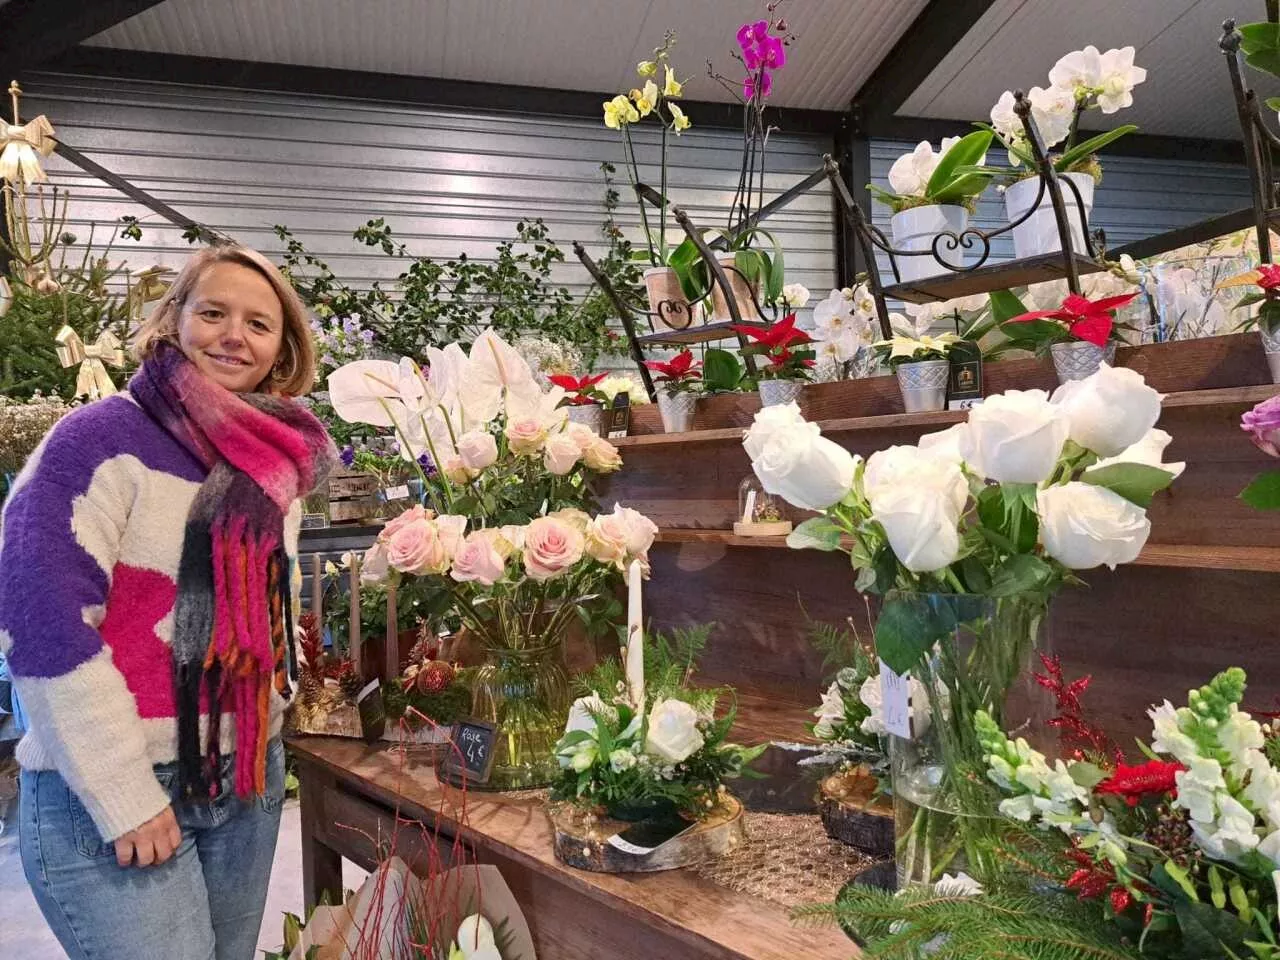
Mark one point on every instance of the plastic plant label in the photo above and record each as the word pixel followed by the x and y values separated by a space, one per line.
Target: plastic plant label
pixel 895 701
pixel 397 493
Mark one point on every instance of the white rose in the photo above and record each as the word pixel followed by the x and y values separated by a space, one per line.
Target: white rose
pixel 1148 450
pixel 909 467
pixel 561 454
pixel 792 461
pixel 1083 526
pixel 673 731
pixel 583 713
pixel 921 527
pixel 1109 411
pixel 1015 437
pixel 478 450
pixel 946 445
pixel 640 531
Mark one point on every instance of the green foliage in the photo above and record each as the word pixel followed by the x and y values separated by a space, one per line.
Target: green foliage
pixel 1263 493
pixel 1136 482
pixel 722 371
pixel 1260 44
pixel 448 706
pixel 670 661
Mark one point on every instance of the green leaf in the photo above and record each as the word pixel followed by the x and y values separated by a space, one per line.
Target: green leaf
pixel 1273 103
pixel 1249 299
pixel 1207 932
pixel 1022 573
pixel 1260 43
pixel 1217 892
pixel 817 533
pixel 1173 879
pixel 1269 315
pixel 1091 146
pixel 1035 331
pixel 721 370
pixel 776 278
pixel 1136 482
pixel 1005 305
pixel 969 150
pixel 909 626
pixel 1087 775
pixel 1264 492
pixel 749 264
pixel 1239 898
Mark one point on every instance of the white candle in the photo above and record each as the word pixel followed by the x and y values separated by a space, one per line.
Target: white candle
pixel 634 652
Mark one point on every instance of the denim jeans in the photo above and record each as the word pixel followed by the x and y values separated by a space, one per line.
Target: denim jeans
pixel 204 903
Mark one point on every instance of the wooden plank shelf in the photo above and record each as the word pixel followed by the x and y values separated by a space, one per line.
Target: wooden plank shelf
pixel 1196 556
pixel 697 333
pixel 1227 397
pixel 997 276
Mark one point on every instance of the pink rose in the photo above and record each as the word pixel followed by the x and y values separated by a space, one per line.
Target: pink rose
pixel 551 547
pixel 416 548
pixel 455 471
pixel 607 540
pixel 641 531
pixel 418 512
pixel 478 561
pixel 526 437
pixel 478 449
pixel 373 568
pixel 561 454
pixel 602 456
pixel 450 529
pixel 1263 425
pixel 582 435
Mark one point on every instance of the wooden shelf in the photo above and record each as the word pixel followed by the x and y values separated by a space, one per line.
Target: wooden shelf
pixel 1197 556
pixel 998 276
pixel 1227 396
pixel 698 333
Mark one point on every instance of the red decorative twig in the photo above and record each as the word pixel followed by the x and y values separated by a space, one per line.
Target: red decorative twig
pixel 1084 738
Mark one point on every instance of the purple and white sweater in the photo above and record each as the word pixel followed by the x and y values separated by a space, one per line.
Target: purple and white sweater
pixel 89 548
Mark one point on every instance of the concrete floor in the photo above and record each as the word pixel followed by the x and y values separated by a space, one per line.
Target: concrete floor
pixel 23 933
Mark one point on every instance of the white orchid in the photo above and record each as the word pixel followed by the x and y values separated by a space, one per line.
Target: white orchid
pixel 795 295
pixel 910 173
pixel 1052 109
pixel 1079 71
pixel 1005 120
pixel 1117 78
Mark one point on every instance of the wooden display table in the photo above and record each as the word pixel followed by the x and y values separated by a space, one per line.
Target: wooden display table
pixel 350 793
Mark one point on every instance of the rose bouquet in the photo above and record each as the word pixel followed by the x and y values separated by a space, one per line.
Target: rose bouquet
pixel 967 536
pixel 667 754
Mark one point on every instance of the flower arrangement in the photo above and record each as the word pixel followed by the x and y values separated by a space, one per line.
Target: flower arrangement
pixel 579 391
pixel 1078 319
pixel 902 349
pixel 1267 279
pixel 680 374
pixel 666 753
pixel 776 343
pixel 1262 423
pixel 923 177
pixel 1080 81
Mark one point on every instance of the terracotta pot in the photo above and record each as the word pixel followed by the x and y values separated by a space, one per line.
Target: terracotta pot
pixel 741 294
pixel 666 300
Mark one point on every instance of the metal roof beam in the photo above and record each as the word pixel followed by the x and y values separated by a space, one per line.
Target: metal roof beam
pixel 37 30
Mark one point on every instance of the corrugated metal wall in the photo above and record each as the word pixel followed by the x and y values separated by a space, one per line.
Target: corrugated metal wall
pixel 1138 197
pixel 241 161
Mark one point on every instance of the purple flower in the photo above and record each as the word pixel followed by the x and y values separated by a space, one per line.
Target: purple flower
pixel 316 325
pixel 1262 423
pixel 758 48
pixel 366 336
pixel 427 464
pixel 328 361
pixel 749 85
pixel 773 53
pixel 350 325
pixel 347 455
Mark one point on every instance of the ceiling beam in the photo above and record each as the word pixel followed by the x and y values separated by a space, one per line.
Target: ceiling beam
pixel 38 30
pixel 931 36
pixel 420 91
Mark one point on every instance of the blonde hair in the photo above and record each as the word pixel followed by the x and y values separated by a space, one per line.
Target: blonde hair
pixel 294 372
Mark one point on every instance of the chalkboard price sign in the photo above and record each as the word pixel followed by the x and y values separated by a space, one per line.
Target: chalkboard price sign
pixel 470 750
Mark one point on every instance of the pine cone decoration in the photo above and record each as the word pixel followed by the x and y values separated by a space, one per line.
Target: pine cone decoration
pixel 309 686
pixel 435 677
pixel 1171 833
pixel 349 681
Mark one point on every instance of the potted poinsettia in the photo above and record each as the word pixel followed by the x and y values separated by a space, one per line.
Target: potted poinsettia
pixel 1080 335
pixel 922 366
pixel 933 194
pixel 787 368
pixel 583 397
pixel 678 380
pixel 1267 318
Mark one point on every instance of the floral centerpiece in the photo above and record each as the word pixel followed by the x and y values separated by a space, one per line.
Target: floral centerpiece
pixel 678 382
pixel 787 368
pixel 968 536
pixel 922 366
pixel 1081 334
pixel 1266 319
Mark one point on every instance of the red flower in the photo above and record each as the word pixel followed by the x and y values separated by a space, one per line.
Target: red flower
pixel 1088 320
pixel 680 367
pixel 1121 899
pixel 1132 783
pixel 1268 276
pixel 777 338
pixel 578 387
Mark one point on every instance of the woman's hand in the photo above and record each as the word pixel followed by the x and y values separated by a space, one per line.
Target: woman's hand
pixel 153 842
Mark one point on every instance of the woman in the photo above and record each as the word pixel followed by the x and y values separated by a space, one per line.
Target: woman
pixel 145 571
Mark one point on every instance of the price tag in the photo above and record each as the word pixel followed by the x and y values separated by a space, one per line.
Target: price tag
pixel 618 417
pixel 895 701
pixel 314 521
pixel 397 493
pixel 470 751
pixel 373 712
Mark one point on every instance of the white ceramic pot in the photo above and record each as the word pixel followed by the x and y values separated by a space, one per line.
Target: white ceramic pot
pixel 588 414
pixel 775 392
pixel 1271 344
pixel 1078 359
pixel 1039 234
pixel 916 228
pixel 666 299
pixel 676 410
pixel 923 385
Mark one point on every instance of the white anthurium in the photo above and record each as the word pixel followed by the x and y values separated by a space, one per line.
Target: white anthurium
pixel 1079 70
pixel 496 367
pixel 1117 78
pixel 365 390
pixel 543 407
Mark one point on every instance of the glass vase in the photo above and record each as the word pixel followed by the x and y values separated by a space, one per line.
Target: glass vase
pixel 523 690
pixel 984 658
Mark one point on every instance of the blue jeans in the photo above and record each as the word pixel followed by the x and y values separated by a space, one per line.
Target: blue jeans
pixel 204 903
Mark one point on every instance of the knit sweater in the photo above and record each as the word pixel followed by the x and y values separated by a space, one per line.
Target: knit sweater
pixel 90 542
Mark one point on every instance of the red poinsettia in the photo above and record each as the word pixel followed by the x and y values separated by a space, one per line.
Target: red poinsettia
pixel 775 343
pixel 1089 320
pixel 1155 777
pixel 1268 276
pixel 679 372
pixel 580 390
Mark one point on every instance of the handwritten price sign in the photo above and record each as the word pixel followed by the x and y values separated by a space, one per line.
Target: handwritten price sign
pixel 895 699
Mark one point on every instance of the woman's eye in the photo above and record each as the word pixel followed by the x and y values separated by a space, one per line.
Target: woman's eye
pixel 211 314
pixel 261 326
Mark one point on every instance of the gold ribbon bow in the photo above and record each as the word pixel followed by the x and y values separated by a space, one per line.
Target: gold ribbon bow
pixel 22 146
pixel 92 381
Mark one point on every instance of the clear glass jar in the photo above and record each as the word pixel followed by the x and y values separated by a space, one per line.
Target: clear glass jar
pixel 760 514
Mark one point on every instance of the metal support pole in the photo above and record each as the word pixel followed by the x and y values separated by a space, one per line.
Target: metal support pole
pixel 624 314
pixel 858 222
pixel 1257 153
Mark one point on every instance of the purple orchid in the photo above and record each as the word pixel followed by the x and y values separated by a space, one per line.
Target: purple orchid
pixel 749 85
pixel 761 53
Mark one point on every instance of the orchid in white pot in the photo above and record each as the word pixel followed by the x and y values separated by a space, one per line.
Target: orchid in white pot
pixel 932 195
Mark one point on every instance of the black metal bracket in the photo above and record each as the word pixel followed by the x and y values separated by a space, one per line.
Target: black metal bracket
pixel 1258 139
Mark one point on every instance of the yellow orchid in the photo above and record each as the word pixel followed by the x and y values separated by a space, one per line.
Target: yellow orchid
pixel 618 112
pixel 678 120
pixel 646 99
pixel 908 347
pixel 673 87
pixel 647 68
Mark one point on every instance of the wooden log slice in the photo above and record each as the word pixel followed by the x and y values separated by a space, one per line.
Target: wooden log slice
pixel 853 815
pixel 582 840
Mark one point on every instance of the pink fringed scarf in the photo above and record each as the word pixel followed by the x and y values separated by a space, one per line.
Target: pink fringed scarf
pixel 232 620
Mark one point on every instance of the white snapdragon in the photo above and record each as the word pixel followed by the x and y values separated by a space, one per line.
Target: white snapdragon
pixel 1169 738
pixel 1199 787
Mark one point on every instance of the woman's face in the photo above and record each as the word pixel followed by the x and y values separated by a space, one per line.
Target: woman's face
pixel 232 326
